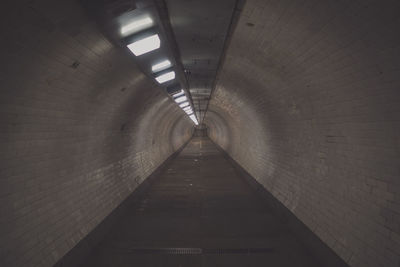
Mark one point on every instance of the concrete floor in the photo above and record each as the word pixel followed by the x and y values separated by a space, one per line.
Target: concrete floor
pixel 200 201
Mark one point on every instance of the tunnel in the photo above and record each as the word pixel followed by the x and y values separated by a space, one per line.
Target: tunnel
pixel 185 133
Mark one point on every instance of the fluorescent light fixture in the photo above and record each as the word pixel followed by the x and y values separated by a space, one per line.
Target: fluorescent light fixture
pixel 166 77
pixel 178 94
pixel 145 45
pixel 136 25
pixel 194 119
pixel 187 108
pixel 161 66
pixel 189 112
pixel 180 99
pixel 184 104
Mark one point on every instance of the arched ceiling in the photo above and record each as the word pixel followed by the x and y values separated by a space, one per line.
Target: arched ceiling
pixel 306 101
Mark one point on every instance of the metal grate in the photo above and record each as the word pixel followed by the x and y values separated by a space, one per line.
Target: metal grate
pixel 169 251
pixel 199 251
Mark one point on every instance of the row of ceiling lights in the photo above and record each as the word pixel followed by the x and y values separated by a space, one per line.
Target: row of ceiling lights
pixel 146 41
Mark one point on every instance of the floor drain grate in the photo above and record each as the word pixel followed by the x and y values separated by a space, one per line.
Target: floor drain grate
pixel 169 251
pixel 199 251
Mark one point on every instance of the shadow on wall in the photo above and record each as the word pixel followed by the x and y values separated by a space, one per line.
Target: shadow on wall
pixel 216 124
pixel 243 132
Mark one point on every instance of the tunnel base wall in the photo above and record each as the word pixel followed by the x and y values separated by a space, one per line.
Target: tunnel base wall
pixel 77 255
pixel 326 256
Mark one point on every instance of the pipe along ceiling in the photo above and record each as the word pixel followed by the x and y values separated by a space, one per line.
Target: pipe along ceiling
pixel 304 95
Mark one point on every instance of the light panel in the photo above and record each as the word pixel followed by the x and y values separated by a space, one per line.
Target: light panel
pixel 194 119
pixel 180 99
pixel 161 66
pixel 187 108
pixel 166 77
pixel 184 104
pixel 145 45
pixel 136 25
pixel 180 93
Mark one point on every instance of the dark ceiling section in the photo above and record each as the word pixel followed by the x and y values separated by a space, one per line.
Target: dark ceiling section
pixel 200 29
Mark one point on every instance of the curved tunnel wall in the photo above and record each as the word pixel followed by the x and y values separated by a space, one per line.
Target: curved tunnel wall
pixel 307 101
pixel 81 127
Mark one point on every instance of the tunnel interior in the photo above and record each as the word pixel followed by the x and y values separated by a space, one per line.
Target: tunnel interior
pixel 291 103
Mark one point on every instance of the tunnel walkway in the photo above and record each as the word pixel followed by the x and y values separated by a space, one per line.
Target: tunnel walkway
pixel 200 204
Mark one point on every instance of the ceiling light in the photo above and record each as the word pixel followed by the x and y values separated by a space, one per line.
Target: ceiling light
pixel 136 25
pixel 184 104
pixel 180 99
pixel 166 77
pixel 161 66
pixel 187 108
pixel 189 112
pixel 175 90
pixel 194 119
pixel 145 45
pixel 178 94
